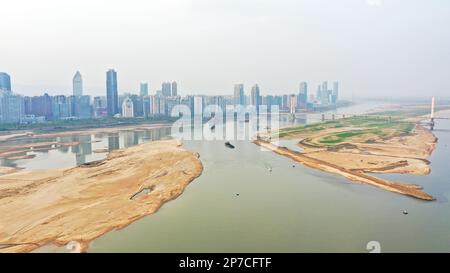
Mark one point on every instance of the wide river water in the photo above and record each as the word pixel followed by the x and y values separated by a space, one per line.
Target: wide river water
pixel 290 209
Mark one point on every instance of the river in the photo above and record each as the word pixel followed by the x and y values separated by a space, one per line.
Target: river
pixel 238 205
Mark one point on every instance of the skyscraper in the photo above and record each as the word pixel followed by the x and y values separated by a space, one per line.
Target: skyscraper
pixel 5 81
pixel 166 89
pixel 174 89
pixel 325 93
pixel 335 93
pixel 239 97
pixel 319 93
pixel 111 93
pixel 255 96
pixel 303 95
pixel 77 84
pixel 143 89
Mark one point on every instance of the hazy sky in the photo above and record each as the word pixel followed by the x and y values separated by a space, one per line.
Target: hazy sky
pixel 372 47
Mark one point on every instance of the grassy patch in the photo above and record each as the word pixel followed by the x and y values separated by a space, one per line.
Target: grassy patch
pixel 360 128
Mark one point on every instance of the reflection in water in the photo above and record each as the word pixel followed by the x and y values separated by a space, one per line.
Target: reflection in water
pixel 113 142
pixel 80 159
pixel 59 155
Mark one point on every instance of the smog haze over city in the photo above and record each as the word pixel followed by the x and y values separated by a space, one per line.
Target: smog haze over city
pixel 374 48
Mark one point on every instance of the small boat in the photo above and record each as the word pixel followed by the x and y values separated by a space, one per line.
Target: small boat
pixel 229 145
pixel 405 212
pixel 212 127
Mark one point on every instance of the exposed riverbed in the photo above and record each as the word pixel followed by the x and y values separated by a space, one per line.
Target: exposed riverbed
pixel 287 209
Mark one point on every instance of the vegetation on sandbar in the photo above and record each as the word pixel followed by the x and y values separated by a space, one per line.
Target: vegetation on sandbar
pixel 347 130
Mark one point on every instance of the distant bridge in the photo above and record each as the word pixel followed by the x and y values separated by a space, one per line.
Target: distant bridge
pixel 332 116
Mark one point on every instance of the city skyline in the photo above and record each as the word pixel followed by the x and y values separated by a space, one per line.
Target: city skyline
pixel 20 109
pixel 275 43
pixel 143 88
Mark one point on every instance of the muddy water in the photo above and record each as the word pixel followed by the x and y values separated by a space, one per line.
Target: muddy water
pixel 250 200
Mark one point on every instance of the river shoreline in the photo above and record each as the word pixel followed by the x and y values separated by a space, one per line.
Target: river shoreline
pixel 402 188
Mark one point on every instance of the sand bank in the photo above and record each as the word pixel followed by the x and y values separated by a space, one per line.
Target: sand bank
pixel 82 203
pixel 402 188
pixel 406 154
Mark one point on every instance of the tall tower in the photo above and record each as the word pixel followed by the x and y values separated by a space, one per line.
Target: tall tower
pixel 239 98
pixel 5 81
pixel 255 98
pixel 303 95
pixel 335 92
pixel 166 89
pixel 174 89
pixel 77 84
pixel 143 89
pixel 325 95
pixel 112 100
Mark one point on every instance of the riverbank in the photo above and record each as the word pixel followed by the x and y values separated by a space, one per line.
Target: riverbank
pixel 357 176
pixel 358 145
pixel 82 203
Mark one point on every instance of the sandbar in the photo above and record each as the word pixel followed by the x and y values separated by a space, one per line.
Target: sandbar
pixel 79 204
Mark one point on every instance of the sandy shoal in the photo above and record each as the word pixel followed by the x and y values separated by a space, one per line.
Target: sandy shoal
pixel 402 154
pixel 411 190
pixel 82 203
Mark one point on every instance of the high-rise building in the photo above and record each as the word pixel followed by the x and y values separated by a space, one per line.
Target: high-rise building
pixel 162 106
pixel 166 89
pixel 255 97
pixel 174 89
pixel 5 81
pixel 171 103
pixel 319 93
pixel 41 106
pixel 112 93
pixel 239 97
pixel 303 95
pixel 154 102
pixel 77 84
pixel 143 89
pixel 127 108
pixel 138 105
pixel 325 93
pixel 292 103
pixel 285 102
pixel 82 106
pixel 12 107
pixel 335 93
pixel 146 106
pixel 60 107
